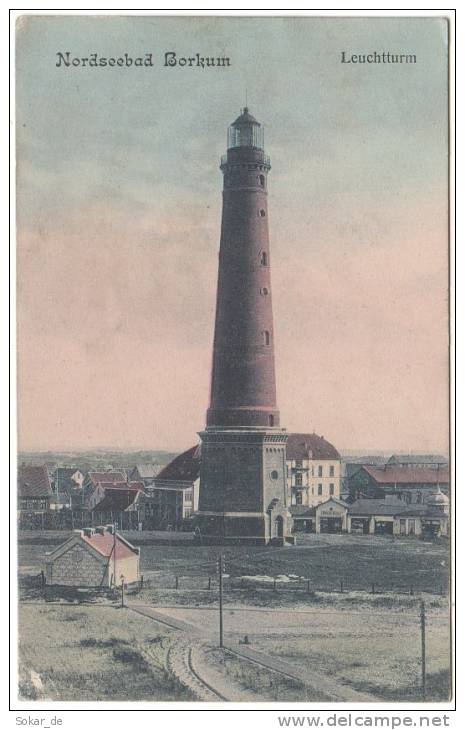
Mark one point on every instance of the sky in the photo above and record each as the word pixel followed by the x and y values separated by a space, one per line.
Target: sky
pixel 119 213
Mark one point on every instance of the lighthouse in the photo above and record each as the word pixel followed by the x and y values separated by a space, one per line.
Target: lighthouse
pixel 243 465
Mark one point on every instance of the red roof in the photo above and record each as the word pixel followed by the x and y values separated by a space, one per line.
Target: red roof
pixel 104 545
pixel 299 445
pixel 410 475
pixel 34 481
pixel 185 467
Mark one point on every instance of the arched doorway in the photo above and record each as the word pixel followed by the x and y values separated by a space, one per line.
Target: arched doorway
pixel 279 526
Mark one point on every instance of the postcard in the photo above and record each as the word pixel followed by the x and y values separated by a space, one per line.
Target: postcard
pixel 234 476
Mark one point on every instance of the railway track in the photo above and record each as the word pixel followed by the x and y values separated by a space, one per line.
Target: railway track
pixel 180 664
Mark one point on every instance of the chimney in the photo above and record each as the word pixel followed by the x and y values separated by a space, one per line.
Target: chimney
pixel 99 530
pixel 88 532
pixel 109 529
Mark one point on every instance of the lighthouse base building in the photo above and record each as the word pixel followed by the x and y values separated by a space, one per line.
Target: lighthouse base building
pixel 243 487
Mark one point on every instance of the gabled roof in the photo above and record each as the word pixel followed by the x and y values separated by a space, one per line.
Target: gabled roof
pixel 147 471
pixel 399 475
pixel 300 445
pixel 34 481
pixel 333 499
pixel 185 467
pixel 102 544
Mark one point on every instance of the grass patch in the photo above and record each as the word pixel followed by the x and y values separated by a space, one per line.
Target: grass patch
pixel 95 653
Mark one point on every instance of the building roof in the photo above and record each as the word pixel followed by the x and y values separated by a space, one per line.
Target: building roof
pixel 34 481
pixel 398 475
pixel 300 445
pixel 123 486
pixel 147 471
pixel 116 500
pixel 382 507
pixel 104 545
pixel 171 484
pixel 106 476
pixel 185 467
pixel 417 459
pixel 101 539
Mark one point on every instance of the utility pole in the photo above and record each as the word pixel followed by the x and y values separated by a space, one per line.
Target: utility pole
pixel 220 570
pixel 122 591
pixel 114 554
pixel 423 648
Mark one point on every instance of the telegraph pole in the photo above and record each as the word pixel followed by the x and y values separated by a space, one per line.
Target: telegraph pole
pixel 114 554
pixel 423 648
pixel 220 570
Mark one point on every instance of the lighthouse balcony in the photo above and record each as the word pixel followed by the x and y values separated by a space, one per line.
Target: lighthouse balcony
pixel 245 156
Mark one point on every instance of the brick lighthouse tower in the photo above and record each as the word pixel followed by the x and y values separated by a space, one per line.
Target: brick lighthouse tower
pixel 243 466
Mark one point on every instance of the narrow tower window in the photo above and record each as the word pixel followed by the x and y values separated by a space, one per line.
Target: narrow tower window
pixel 271 422
pixel 262 213
pixel 266 337
pixel 262 180
pixel 264 259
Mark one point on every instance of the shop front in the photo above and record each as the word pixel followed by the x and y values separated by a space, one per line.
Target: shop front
pixel 331 517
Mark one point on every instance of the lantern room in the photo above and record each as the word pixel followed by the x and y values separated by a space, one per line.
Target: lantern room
pixel 245 132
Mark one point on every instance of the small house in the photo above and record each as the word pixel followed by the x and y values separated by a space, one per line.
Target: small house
pixel 93 558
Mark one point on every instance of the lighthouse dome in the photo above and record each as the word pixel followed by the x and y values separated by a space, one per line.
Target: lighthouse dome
pixel 245 118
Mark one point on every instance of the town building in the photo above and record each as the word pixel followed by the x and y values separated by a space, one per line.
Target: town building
pixel 388 516
pixel 328 516
pixel 145 473
pixel 34 496
pixel 412 484
pixel 105 492
pixel 94 478
pixel 93 558
pixel 172 498
pixel 313 468
pixel 67 488
pixel 425 461
pixel 66 478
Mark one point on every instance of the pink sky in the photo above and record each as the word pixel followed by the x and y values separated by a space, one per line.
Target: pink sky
pixel 119 209
pixel 115 331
